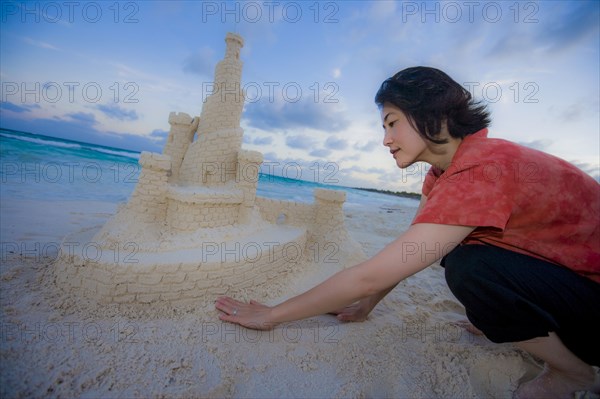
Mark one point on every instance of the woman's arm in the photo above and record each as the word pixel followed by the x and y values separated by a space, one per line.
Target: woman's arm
pixel 361 309
pixel 422 203
pixel 417 248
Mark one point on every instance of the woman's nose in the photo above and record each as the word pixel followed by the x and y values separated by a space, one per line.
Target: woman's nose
pixel 387 139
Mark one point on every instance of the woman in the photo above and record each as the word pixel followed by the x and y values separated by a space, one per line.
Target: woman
pixel 517 231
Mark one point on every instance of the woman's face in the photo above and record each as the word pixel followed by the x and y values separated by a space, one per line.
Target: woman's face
pixel 404 142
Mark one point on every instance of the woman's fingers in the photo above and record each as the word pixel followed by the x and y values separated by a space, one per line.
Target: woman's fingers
pixel 228 305
pixel 251 315
pixel 350 309
pixel 226 317
pixel 232 307
pixel 350 313
pixel 466 324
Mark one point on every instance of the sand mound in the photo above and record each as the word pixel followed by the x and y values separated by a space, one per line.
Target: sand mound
pixel 57 345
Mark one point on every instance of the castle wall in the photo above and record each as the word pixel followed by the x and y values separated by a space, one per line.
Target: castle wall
pixel 237 268
pixel 247 180
pixel 322 217
pixel 184 216
pixel 286 212
pixel 327 240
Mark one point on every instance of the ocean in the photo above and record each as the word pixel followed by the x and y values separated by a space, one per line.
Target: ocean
pixel 37 167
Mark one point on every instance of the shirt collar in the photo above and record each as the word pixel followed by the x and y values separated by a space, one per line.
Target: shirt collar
pixel 480 134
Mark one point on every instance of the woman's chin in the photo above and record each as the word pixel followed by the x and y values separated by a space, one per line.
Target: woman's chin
pixel 403 164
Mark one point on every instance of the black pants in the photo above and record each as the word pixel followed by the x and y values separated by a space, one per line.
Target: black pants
pixel 513 297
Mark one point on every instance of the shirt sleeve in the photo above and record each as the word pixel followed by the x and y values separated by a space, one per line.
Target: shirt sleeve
pixel 468 196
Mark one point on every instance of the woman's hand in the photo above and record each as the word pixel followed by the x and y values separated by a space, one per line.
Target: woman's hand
pixel 358 311
pixel 252 315
pixel 466 324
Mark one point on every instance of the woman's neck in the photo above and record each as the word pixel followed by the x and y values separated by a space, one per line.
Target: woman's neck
pixel 441 155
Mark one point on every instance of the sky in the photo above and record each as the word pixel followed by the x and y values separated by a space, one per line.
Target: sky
pixel 109 73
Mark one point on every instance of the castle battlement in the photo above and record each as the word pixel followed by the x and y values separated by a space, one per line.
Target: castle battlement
pixel 180 118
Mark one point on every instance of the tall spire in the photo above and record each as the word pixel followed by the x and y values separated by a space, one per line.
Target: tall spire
pixel 234 44
pixel 219 135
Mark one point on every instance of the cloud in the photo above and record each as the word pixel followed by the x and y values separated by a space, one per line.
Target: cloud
pixel 320 153
pixel 367 147
pixel 376 170
pixel 343 174
pixel 201 62
pixel 116 112
pixel 579 110
pixel 541 145
pixel 300 141
pixel 159 133
pixel 380 10
pixel 84 118
pixel 296 168
pixel 81 126
pixel 8 106
pixel 40 44
pixel 305 113
pixel 590 169
pixel 257 140
pixel 262 141
pixel 572 113
pixel 569 24
pixel 393 179
pixel 336 73
pixel 335 143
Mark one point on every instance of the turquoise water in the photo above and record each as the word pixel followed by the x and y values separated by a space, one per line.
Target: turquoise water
pixel 46 168
pixel 40 167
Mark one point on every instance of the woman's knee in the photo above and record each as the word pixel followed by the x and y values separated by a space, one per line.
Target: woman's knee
pixel 461 266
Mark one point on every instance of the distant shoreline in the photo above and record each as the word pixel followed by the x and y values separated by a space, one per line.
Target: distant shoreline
pixel 402 194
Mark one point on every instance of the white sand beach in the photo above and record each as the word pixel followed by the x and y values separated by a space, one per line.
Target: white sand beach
pixel 54 344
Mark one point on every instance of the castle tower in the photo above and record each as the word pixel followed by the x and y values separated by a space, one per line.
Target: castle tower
pixel 212 159
pixel 181 135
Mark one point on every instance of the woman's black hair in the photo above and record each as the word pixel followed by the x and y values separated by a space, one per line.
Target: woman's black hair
pixel 428 97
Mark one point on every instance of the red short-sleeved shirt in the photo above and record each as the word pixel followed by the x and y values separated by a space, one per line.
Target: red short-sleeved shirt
pixel 520 199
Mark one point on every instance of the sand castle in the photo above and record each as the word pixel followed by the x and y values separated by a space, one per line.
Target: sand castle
pixel 194 227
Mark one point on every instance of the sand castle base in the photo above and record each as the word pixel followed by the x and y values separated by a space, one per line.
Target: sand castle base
pixel 126 275
pixel 265 257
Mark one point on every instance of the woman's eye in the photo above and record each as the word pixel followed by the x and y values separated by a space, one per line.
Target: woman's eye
pixel 391 124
